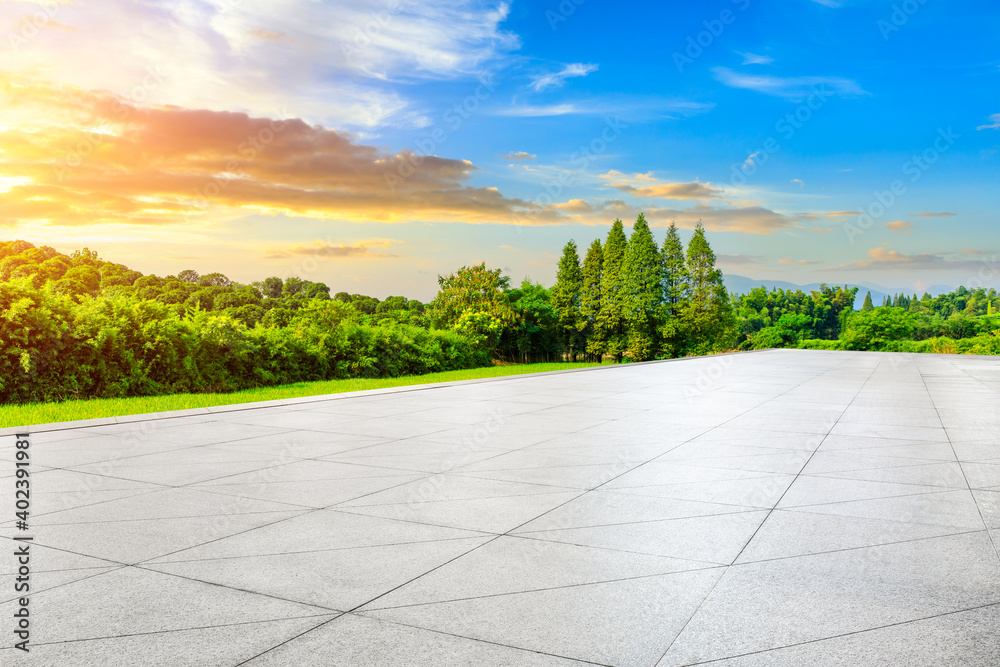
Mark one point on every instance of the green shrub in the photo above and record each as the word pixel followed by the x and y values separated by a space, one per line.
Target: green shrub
pixel 54 348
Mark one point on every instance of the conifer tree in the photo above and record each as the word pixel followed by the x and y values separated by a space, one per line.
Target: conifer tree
pixel 708 314
pixel 641 291
pixel 868 305
pixel 611 321
pixel 675 278
pixel 566 298
pixel 590 298
pixel 675 286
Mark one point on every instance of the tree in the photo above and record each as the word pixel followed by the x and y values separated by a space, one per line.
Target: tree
pixel 874 329
pixel 610 320
pixel 293 285
pixel 566 298
pixel 535 334
pixel 676 282
pixel 215 279
pixel 675 286
pixel 317 291
pixel 707 315
pixel 390 304
pixel 641 291
pixel 474 301
pixel 87 276
pixel 590 298
pixel 788 331
pixel 271 287
pixel 868 305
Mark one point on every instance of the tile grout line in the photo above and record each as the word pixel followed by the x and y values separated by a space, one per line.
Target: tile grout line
pixel 584 492
pixel 808 460
pixel 715 585
pixel 848 634
pixel 979 509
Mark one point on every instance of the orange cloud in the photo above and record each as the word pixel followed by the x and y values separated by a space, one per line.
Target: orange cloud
pixel 97 158
pixel 322 249
pixel 833 214
pixel 899 226
pixel 883 258
pixel 268 35
pixel 646 186
pixel 76 158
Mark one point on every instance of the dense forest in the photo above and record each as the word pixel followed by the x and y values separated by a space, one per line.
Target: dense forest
pixel 962 321
pixel 77 326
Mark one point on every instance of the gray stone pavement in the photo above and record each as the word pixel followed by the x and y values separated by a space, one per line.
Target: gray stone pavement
pixel 776 508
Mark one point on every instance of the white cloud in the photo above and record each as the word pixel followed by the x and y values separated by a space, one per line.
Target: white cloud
pixel 327 61
pixel 528 111
pixel 792 88
pixel 994 123
pixel 755 59
pixel 632 108
pixel 558 79
pixel 751 159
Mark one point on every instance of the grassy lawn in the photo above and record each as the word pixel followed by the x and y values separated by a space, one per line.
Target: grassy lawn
pixel 45 413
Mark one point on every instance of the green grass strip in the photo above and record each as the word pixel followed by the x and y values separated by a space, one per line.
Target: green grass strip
pixel 30 414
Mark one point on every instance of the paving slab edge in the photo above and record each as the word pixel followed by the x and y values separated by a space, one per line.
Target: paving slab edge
pixel 319 398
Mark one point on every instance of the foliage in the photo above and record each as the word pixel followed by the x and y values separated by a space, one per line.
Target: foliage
pixel 537 334
pixel 590 298
pixel 825 312
pixel 707 314
pixel 610 329
pixel 476 302
pixel 789 331
pixel 642 292
pixel 868 305
pixel 77 327
pixel 566 299
pixel 874 329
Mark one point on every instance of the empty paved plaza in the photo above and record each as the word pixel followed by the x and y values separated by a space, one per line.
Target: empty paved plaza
pixel 786 507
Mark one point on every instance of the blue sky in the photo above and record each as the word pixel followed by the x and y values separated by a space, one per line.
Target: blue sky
pixel 818 140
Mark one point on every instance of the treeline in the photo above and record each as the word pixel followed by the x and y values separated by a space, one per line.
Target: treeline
pixel 78 327
pixel 962 321
pixel 783 318
pixel 633 298
pixel 962 302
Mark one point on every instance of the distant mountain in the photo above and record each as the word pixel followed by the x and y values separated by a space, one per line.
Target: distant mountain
pixel 741 285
